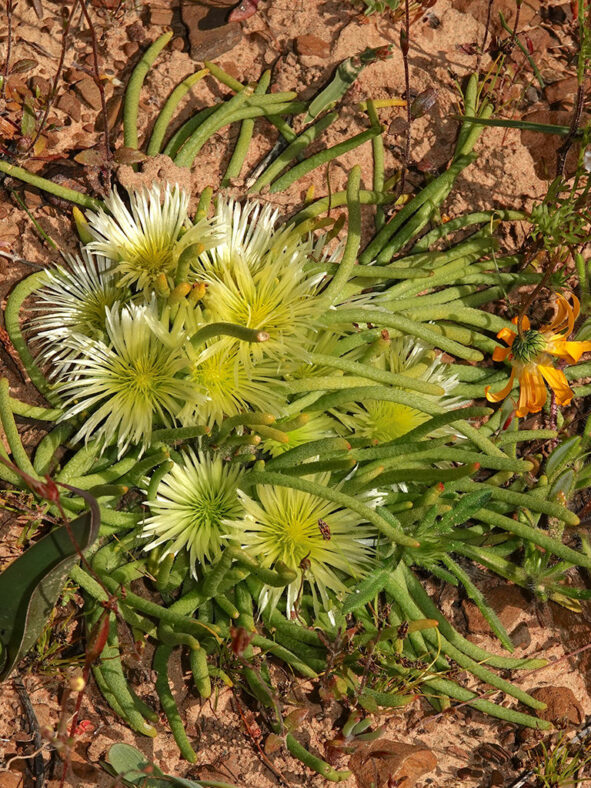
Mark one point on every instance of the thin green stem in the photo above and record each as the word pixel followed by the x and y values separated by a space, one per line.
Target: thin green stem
pixel 295 149
pixel 50 187
pixel 322 157
pixel 134 87
pixel 244 136
pixel 164 118
pixel 334 290
pixel 228 330
pixel 14 303
pixel 19 454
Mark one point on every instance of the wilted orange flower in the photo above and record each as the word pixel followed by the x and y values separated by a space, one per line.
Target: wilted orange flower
pixel 531 358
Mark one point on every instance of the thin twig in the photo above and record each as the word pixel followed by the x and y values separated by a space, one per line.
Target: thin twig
pixel 258 747
pixel 404 48
pixel 38 764
pixel 485 37
pixel 16 259
pixel 574 127
pixel 56 79
pixel 9 8
pixel 534 294
pixel 101 90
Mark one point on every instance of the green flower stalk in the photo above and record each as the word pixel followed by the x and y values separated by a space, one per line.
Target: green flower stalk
pixel 147 239
pixel 193 502
pixel 128 384
pixel 322 542
pixel 301 431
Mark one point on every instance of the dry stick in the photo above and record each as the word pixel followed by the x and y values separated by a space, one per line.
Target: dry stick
pixel 58 74
pixel 404 47
pixel 258 747
pixel 516 24
pixel 485 37
pixel 574 126
pixel 9 7
pixel 534 294
pixel 38 764
pixel 101 90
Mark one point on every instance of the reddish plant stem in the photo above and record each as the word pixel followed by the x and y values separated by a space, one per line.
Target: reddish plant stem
pixel 9 8
pixel 574 126
pixel 486 31
pixel 516 25
pixel 258 747
pixel 404 48
pixel 56 79
pixel 101 90
pixel 533 295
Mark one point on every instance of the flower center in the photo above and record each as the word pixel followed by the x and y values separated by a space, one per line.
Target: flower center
pixel 527 346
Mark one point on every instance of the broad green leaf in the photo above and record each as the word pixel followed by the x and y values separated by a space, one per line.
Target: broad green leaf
pixel 561 456
pixel 31 585
pixel 131 765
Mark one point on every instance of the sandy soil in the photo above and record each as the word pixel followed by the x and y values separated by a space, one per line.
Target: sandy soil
pixel 511 171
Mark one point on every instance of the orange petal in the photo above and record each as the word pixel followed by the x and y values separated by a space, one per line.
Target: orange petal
pixel 576 307
pixel 571 351
pixel 566 315
pixel 507 336
pixel 558 383
pixel 503 392
pixel 532 392
pixel 501 353
pixel 525 324
pixel 576 349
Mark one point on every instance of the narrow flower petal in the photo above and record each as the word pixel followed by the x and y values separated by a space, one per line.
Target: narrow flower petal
pixel 532 393
pixel 570 351
pixel 501 353
pixel 193 501
pixel 322 542
pixel 566 315
pixel 504 392
pixel 507 336
pixel 128 383
pixel 557 381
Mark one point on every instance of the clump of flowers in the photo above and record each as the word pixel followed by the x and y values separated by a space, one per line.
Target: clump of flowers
pixel 74 301
pixel 531 354
pixel 218 326
pixel 126 384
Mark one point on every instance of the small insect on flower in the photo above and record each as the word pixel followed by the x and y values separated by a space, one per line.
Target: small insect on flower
pixel 193 502
pixel 127 384
pixel 148 238
pixel 531 353
pixel 292 526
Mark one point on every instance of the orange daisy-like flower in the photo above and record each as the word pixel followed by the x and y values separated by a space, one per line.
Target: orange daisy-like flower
pixel 531 358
